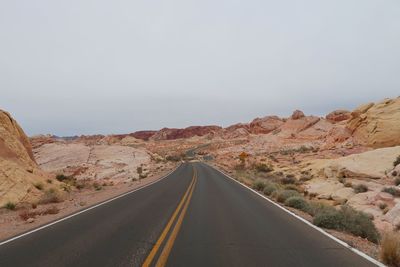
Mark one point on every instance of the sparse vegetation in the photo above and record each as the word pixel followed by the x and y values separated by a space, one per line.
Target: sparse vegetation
pixel 392 190
pixel 283 195
pixel 51 196
pixel 349 220
pixel 258 185
pixel 269 189
pixel 297 202
pixel 263 167
pixel 174 158
pixel 360 188
pixel 397 181
pixel 397 161
pixel 10 205
pixel 390 249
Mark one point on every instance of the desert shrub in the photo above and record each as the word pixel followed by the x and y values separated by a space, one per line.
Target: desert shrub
pixel 349 220
pixel 360 224
pixel 288 180
pixel 97 186
pixel 396 161
pixel 258 185
pixel 342 180
pixel 360 188
pixel 394 173
pixel 269 189
pixel 143 175
pixel 61 177
pixel 38 186
pixel 283 195
pixel 297 202
pixel 139 170
pixel 382 205
pixel 49 181
pixel 262 167
pixel 51 196
pixel 390 249
pixel 316 207
pixel 10 205
pixel 329 218
pixel 397 181
pixel 392 190
pixel 173 158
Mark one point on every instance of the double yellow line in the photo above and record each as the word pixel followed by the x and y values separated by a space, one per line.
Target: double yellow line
pixel 182 207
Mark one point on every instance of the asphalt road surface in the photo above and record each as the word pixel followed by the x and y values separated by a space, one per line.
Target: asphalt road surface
pixel 193 217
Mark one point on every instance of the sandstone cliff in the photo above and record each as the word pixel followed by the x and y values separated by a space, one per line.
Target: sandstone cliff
pixel 18 169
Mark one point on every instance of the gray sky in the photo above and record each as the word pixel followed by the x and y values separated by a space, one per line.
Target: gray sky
pixel 83 67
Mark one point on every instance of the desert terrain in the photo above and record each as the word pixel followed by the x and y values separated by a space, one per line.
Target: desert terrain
pixel 344 159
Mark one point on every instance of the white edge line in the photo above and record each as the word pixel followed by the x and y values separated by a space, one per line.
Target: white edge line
pixel 87 209
pixel 362 254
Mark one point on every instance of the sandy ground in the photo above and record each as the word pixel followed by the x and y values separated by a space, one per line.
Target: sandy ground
pixel 11 223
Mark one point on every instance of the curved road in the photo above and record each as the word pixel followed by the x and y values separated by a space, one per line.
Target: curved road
pixel 194 217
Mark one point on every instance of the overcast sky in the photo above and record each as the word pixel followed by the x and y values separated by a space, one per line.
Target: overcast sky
pixel 84 67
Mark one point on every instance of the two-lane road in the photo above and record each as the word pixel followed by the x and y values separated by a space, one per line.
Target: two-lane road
pixel 194 217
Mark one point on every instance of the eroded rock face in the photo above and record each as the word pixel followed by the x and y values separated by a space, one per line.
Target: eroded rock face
pixel 377 125
pixel 338 115
pixel 18 170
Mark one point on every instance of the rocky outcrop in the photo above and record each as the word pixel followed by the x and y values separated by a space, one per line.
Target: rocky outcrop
pixel 18 169
pixel 338 115
pixel 377 125
pixel 265 125
pixel 173 133
pixel 297 114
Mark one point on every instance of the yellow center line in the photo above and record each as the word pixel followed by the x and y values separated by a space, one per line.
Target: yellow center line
pixel 162 260
pixel 160 240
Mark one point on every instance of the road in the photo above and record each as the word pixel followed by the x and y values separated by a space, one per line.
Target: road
pixel 194 217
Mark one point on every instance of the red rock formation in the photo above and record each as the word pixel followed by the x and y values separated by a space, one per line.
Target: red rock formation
pixel 338 115
pixel 265 125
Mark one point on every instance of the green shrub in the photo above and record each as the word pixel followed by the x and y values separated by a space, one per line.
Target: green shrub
pixel 283 195
pixel 10 205
pixel 360 224
pixel 349 220
pixel 258 185
pixel 330 219
pixel 360 188
pixel 392 190
pixel 316 207
pixel 397 161
pixel 269 189
pixel 97 186
pixel 298 203
pixel 262 167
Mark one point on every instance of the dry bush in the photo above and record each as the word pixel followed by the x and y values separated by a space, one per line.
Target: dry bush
pixel 390 249
pixel 51 196
pixel 360 188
